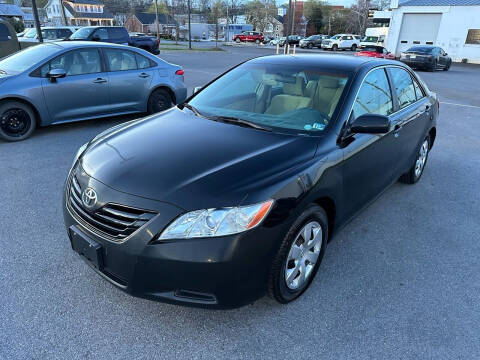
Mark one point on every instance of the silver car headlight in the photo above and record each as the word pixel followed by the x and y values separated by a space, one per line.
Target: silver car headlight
pixel 217 222
pixel 80 151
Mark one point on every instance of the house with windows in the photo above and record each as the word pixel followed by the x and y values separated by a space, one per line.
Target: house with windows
pixel 78 13
pixel 453 25
pixel 146 23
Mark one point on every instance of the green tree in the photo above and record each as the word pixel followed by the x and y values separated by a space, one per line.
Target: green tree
pixel 314 11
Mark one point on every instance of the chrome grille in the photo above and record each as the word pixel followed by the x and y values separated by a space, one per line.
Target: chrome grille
pixel 113 221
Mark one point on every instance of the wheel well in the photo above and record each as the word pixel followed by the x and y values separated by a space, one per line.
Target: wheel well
pixel 37 114
pixel 166 88
pixel 433 135
pixel 329 206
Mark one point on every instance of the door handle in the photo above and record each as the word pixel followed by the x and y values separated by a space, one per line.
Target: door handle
pixel 99 81
pixel 144 75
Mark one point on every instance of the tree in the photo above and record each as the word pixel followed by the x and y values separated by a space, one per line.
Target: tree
pixel 17 24
pixel 260 13
pixel 162 9
pixel 359 16
pixel 314 11
pixel 215 14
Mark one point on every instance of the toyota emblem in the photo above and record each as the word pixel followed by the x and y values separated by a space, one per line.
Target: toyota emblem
pixel 89 197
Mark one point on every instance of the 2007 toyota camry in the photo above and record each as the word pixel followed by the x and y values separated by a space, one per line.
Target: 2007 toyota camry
pixel 235 193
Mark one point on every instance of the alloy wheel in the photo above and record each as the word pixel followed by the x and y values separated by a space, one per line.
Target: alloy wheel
pixel 303 255
pixel 421 159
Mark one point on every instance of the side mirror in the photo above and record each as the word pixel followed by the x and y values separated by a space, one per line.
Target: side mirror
pixel 55 74
pixel 370 124
pixel 95 37
pixel 197 89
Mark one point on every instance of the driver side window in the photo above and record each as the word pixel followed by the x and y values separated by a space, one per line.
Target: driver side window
pixel 77 62
pixel 101 33
pixel 374 96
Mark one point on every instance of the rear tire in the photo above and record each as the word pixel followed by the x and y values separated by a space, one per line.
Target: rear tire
pixel 298 259
pixel 159 100
pixel 17 121
pixel 416 171
pixel 309 46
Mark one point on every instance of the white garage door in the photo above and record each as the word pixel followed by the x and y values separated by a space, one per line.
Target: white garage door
pixel 418 29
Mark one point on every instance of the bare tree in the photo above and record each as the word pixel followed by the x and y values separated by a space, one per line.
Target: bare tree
pixel 359 16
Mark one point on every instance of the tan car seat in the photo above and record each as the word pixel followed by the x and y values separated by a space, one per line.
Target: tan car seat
pixel 293 98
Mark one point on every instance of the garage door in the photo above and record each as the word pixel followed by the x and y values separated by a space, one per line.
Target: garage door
pixel 418 29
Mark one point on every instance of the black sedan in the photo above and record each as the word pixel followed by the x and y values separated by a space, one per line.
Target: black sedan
pixel 235 193
pixel 426 57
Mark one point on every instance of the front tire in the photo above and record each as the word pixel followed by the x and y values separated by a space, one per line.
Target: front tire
pixel 238 41
pixel 416 171
pixel 17 121
pixel 334 47
pixel 354 47
pixel 160 100
pixel 299 257
pixel 257 41
pixel 446 68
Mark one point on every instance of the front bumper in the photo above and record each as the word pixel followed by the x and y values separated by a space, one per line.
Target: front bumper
pixel 219 272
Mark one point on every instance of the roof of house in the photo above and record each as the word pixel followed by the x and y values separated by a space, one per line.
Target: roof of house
pixel 106 14
pixel 88 2
pixel 149 18
pixel 10 10
pixel 439 3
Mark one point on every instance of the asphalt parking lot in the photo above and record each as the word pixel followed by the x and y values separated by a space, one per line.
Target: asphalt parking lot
pixel 401 281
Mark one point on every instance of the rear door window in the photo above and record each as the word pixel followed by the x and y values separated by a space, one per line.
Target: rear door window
pixel 115 33
pixel 4 33
pixel 120 60
pixel 101 33
pixel 403 86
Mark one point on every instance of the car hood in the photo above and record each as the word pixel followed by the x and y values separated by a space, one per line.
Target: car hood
pixel 5 77
pixel 192 162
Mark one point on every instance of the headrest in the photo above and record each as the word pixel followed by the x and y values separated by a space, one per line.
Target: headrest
pixel 329 82
pixel 296 88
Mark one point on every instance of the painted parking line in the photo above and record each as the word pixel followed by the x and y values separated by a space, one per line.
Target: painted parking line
pixel 455 104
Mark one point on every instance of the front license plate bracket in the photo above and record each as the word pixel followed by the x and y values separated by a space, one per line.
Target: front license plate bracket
pixel 89 249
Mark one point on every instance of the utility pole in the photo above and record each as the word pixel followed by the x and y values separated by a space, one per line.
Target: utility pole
pixel 64 15
pixel 227 32
pixel 156 19
pixel 37 21
pixel 293 16
pixel 189 28
pixel 288 18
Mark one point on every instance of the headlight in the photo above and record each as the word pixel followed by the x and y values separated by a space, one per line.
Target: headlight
pixel 79 152
pixel 402 55
pixel 217 222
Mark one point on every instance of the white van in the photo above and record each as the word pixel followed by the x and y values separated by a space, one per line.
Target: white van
pixel 375 36
pixel 342 41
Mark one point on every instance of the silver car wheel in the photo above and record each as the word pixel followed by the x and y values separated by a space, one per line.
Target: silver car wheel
pixel 303 255
pixel 421 159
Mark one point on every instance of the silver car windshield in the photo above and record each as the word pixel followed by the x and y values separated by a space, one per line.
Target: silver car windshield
pixel 80 34
pixel 23 60
pixel 274 96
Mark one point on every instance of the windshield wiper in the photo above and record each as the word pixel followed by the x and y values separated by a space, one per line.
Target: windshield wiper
pixel 241 122
pixel 192 108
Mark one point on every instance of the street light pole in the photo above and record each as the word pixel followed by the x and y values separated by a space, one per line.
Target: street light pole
pixel 156 19
pixel 189 28
pixel 37 21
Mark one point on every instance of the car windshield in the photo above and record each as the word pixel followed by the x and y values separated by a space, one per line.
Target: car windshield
pixel 313 37
pixel 335 37
pixel 30 34
pixel 370 39
pixel 82 33
pixel 422 49
pixel 27 58
pixel 274 96
pixel 372 48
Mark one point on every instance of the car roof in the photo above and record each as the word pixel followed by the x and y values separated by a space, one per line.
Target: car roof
pixel 76 44
pixel 327 62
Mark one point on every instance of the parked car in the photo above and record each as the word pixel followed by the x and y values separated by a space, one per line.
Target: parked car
pixel 248 36
pixel 66 81
pixel 116 35
pixel 426 57
pixel 49 34
pixel 291 39
pixel 235 194
pixel 277 41
pixel 312 41
pixel 8 40
pixel 375 51
pixel 267 39
pixel 372 41
pixel 341 42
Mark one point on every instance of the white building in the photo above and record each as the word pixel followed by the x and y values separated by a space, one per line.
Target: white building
pixel 454 25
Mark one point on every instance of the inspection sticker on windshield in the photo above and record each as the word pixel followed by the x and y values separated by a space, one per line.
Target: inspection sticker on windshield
pixel 315 126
